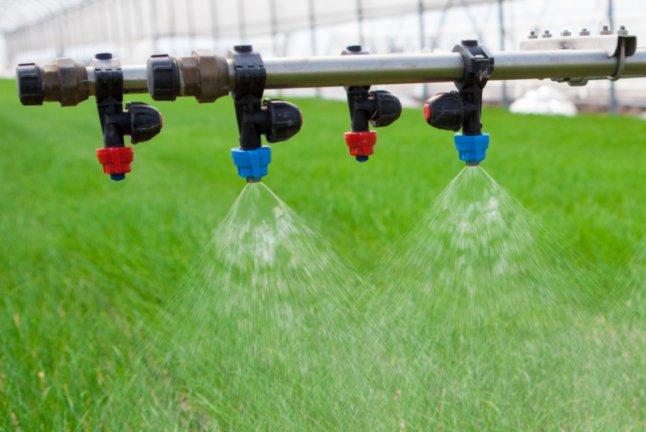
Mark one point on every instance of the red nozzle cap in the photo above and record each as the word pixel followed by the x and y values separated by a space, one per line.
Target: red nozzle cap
pixel 361 143
pixel 428 113
pixel 115 160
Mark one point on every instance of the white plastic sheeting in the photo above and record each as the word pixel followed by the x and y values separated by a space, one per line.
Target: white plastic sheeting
pixel 547 99
pixel 174 15
pixel 45 29
pixel 282 27
pixel 18 13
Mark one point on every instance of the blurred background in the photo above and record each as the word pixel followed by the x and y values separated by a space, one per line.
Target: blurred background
pixel 41 30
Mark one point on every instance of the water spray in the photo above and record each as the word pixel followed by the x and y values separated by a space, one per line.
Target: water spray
pixel 244 74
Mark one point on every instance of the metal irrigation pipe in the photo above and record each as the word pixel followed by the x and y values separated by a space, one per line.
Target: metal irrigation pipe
pixel 207 76
pixel 339 71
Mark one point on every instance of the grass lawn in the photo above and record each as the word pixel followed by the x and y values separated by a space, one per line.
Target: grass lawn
pixel 86 264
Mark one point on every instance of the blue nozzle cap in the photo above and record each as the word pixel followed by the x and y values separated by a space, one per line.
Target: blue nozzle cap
pixel 117 177
pixel 252 163
pixel 472 148
pixel 362 158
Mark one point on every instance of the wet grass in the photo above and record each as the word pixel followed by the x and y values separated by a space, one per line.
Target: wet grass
pixel 86 264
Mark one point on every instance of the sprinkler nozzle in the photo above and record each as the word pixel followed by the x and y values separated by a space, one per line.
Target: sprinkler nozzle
pixel 116 161
pixel 361 144
pixel 472 148
pixel 252 164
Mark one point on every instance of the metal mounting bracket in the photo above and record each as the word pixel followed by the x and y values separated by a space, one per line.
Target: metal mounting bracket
pixel 620 45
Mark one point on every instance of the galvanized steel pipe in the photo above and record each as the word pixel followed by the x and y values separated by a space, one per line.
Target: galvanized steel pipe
pixel 335 71
pixel 352 70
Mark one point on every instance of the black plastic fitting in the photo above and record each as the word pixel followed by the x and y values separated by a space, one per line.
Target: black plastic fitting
pixel 276 119
pixel 478 66
pixel 140 121
pixel 163 77
pixel 445 111
pixel 30 84
pixel 109 100
pixel 387 108
pixel 377 108
pixel 247 96
pixel 284 120
pixel 143 122
pixel 463 109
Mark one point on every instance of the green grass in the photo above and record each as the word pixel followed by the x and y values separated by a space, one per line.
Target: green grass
pixel 86 263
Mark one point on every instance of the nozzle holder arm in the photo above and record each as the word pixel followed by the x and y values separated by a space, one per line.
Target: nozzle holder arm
pixel 478 66
pixel 463 109
pixel 139 120
pixel 276 119
pixel 251 159
pixel 109 98
pixel 115 157
pixel 367 108
pixel 250 79
pixel 361 107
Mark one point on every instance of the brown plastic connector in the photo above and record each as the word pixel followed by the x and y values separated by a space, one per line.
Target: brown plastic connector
pixel 65 81
pixel 204 75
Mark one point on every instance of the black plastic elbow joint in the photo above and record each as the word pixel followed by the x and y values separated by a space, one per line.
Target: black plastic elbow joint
pixel 140 121
pixel 277 120
pixel 463 109
pixel 376 108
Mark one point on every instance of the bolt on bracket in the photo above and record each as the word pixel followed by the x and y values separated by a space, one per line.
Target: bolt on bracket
pixel 619 45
